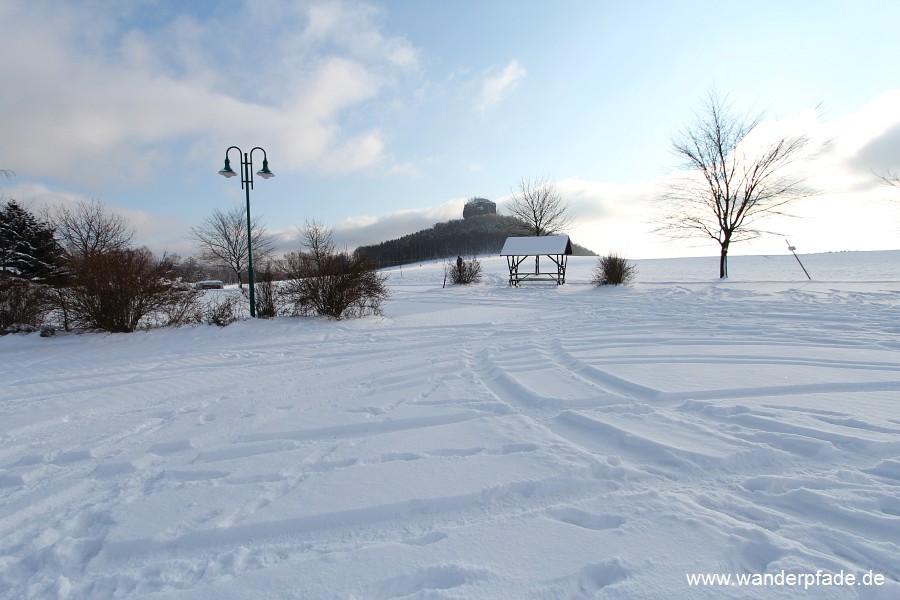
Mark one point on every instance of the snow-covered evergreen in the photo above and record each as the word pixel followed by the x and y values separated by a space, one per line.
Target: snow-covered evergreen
pixel 28 248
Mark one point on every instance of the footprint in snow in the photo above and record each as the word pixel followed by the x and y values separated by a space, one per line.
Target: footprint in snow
pixel 432 537
pixel 580 518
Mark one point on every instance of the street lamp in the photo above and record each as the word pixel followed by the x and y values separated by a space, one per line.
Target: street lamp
pixel 247 185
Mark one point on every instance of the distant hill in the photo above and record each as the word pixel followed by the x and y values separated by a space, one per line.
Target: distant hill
pixel 483 234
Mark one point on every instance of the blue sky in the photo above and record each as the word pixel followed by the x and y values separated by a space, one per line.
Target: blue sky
pixel 382 118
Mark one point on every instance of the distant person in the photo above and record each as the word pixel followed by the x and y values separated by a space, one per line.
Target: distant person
pixel 459 264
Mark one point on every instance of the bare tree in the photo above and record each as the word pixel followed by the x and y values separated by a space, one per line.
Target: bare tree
pixel 222 237
pixel 540 207
pixel 732 181
pixel 88 228
pixel 85 230
pixel 318 241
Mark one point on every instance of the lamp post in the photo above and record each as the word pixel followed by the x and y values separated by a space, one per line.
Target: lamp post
pixel 247 185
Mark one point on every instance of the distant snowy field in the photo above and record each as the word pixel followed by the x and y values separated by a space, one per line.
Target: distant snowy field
pixel 480 442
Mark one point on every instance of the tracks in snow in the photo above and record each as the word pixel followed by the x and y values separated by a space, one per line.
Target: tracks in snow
pixel 556 427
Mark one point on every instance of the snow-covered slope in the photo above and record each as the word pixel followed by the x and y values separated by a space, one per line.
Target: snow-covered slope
pixel 480 442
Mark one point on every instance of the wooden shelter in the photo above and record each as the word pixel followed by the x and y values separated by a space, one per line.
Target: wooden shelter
pixel 555 247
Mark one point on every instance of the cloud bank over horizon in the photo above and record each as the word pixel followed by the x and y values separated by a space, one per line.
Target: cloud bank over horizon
pixel 618 217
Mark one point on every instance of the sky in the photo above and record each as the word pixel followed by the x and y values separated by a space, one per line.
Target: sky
pixel 382 118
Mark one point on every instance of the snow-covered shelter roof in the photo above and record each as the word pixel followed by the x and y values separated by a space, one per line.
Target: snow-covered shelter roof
pixel 536 245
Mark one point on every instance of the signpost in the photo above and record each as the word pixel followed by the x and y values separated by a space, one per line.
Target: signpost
pixel 792 248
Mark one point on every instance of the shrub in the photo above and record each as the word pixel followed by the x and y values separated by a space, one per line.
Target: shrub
pixel 323 282
pixel 463 272
pixel 115 291
pixel 22 303
pixel 335 286
pixel 613 269
pixel 183 308
pixel 266 293
pixel 221 311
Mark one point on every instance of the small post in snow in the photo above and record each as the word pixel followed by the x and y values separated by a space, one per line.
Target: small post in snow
pixel 792 248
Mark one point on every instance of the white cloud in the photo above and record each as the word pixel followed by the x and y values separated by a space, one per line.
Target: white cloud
pixel 496 86
pixel 406 169
pixel 858 129
pixel 355 154
pixel 845 151
pixel 368 229
pixel 161 233
pixel 355 26
pixel 612 217
pixel 359 231
pixel 97 99
pixel 38 197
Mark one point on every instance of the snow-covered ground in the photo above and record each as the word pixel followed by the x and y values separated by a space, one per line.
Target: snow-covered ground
pixel 480 442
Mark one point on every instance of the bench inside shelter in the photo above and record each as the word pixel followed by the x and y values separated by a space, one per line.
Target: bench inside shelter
pixel 555 248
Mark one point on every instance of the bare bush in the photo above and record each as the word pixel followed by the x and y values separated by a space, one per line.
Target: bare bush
pixel 338 287
pixel 22 303
pixel 266 293
pixel 463 272
pixel 222 311
pixel 320 281
pixel 183 307
pixel 613 269
pixel 116 291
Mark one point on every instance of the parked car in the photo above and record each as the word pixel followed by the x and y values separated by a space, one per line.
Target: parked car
pixel 209 284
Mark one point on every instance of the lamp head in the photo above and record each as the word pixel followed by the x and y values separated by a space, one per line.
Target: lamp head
pixel 226 170
pixel 265 173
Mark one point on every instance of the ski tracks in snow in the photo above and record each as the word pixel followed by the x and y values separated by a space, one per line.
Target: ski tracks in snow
pixel 512 449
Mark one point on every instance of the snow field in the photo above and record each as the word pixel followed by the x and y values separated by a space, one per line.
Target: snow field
pixel 480 442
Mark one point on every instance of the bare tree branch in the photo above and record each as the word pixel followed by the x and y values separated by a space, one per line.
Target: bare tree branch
pixel 88 228
pixel 222 237
pixel 892 178
pixel 318 241
pixel 540 207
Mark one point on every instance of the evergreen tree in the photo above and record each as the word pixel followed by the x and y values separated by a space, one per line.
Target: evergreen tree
pixel 28 248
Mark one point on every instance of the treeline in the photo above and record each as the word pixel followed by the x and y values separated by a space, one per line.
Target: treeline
pixel 458 237
pixel 76 269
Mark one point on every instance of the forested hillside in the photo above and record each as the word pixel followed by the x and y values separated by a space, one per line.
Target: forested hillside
pixel 458 237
